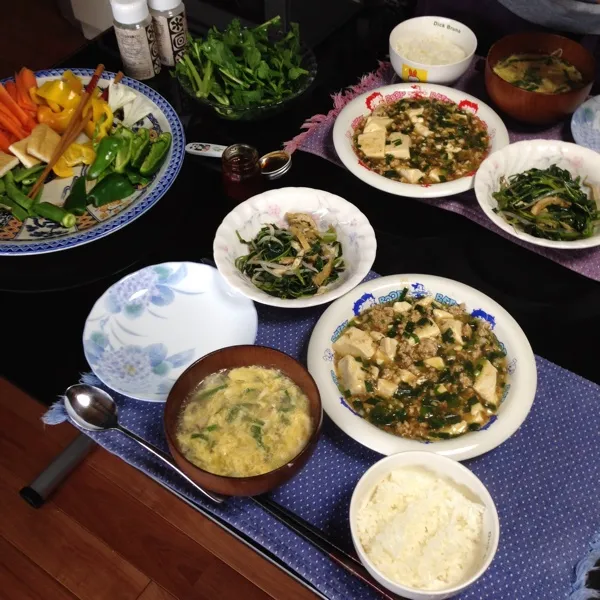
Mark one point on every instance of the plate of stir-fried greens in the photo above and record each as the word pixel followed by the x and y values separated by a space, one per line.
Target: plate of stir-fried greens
pixel 294 247
pixel 546 192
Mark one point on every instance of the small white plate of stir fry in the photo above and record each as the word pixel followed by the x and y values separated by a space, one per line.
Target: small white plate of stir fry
pixel 417 362
pixel 419 141
pixel 295 247
pixel 545 192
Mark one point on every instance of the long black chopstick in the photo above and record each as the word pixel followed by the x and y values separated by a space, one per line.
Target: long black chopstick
pixel 311 534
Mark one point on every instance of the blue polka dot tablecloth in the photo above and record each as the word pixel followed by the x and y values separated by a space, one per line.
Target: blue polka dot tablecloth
pixel 544 479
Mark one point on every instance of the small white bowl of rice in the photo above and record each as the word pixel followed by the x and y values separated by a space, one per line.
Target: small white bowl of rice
pixel 431 49
pixel 423 525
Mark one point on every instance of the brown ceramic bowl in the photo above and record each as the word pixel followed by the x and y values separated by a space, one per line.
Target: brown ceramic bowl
pixel 533 107
pixel 229 358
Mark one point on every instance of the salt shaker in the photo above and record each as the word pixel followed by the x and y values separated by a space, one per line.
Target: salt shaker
pixel 170 26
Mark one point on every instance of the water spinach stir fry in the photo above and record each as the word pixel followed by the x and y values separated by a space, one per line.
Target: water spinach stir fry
pixel 422 141
pixel 548 203
pixel 421 369
pixel 294 262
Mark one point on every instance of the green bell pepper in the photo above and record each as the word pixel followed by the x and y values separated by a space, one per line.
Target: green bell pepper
pixel 135 178
pixel 157 154
pixel 76 201
pixel 114 186
pixel 141 145
pixel 124 153
pixel 2 186
pixel 106 154
pixel 54 213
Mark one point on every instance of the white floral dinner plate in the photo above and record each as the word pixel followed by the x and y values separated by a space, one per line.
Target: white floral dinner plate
pixel 362 105
pixel 146 329
pixel 521 156
pixel 518 394
pixel 353 229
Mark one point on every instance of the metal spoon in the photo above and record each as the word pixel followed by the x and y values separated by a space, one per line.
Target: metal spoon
pixel 95 410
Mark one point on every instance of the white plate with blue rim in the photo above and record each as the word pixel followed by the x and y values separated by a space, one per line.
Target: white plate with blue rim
pixel 585 124
pixel 147 328
pixel 38 235
pixel 519 390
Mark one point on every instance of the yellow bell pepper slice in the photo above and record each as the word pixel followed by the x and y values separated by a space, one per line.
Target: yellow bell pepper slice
pixel 35 98
pixel 57 121
pixel 62 169
pixel 60 93
pixel 102 120
pixel 75 154
pixel 73 81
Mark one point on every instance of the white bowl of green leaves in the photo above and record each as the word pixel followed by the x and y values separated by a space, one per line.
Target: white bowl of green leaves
pixel 280 272
pixel 545 192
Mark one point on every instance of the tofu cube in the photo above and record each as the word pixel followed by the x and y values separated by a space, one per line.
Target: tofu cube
pixel 401 307
pixel 485 383
pixel 437 362
pixel 398 145
pixel 427 331
pixel 408 377
pixel 353 377
pixel 441 315
pixel 356 343
pixel 455 326
pixel 426 301
pixel 376 124
pixel 413 113
pixel 386 388
pixel 413 175
pixel 376 335
pixel 421 129
pixel 478 413
pixel 372 144
pixel 455 429
pixel 389 346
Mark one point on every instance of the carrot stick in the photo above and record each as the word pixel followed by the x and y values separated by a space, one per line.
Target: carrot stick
pixel 11 88
pixel 23 99
pixel 10 117
pixel 4 141
pixel 28 78
pixel 15 109
pixel 7 124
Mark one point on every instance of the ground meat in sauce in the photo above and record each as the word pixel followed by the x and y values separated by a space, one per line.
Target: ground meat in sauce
pixel 429 402
pixel 454 145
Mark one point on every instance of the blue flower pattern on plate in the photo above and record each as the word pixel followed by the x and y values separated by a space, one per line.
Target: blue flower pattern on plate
pixel 156 285
pixel 364 302
pixel 481 314
pixel 146 367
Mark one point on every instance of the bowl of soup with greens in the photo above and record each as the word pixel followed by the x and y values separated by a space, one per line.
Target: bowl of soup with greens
pixel 243 420
pixel 538 78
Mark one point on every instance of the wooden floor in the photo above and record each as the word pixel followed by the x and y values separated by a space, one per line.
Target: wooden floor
pixel 110 532
pixel 34 33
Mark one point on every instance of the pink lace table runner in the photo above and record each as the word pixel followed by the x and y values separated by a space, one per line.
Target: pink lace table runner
pixel 318 139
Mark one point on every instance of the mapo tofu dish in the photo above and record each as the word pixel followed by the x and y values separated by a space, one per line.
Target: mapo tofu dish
pixel 421 141
pixel 421 369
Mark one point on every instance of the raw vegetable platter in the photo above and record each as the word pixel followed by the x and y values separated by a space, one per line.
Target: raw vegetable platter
pixel 36 235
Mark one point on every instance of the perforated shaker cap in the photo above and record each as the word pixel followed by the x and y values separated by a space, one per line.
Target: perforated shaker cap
pixel 163 4
pixel 129 12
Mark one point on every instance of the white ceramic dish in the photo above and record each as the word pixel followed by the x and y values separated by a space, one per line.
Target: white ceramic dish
pixel 146 329
pixel 583 124
pixel 541 154
pixel 362 106
pixel 353 228
pixel 519 392
pixel 436 27
pixel 443 467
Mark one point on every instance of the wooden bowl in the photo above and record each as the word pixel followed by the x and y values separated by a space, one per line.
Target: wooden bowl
pixel 229 358
pixel 533 107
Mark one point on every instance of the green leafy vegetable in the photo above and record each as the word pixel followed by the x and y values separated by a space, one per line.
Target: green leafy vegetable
pixel 241 67
pixel 547 203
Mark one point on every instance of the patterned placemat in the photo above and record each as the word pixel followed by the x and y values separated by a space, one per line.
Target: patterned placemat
pixel 544 481
pixel 318 139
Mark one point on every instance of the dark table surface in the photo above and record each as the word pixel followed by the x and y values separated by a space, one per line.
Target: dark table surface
pixel 45 299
